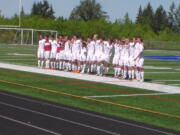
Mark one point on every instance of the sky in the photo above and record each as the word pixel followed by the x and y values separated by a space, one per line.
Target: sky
pixel 115 8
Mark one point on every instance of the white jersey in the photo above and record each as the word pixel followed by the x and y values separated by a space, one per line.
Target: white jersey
pixel 54 46
pixel 107 48
pixel 91 48
pixel 117 50
pixel 131 49
pixel 125 51
pixel 138 50
pixel 41 45
pixel 76 47
pixel 83 51
pixel 67 47
pixel 99 49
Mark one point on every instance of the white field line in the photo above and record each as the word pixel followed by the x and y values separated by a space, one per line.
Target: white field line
pixel 162 72
pixel 166 81
pixel 29 125
pixel 153 67
pixel 176 84
pixel 131 95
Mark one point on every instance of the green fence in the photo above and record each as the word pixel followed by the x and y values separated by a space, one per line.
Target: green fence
pixel 150 44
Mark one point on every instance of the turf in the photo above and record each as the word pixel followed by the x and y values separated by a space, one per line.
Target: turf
pixel 164 104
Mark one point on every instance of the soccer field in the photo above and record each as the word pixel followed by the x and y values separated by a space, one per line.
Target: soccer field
pixel 159 110
pixel 156 71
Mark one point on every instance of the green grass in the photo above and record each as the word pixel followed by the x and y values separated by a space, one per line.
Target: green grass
pixel 164 104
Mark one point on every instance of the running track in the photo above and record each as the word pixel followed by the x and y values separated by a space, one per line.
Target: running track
pixel 22 115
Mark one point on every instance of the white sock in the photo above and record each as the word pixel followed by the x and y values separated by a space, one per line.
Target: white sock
pixel 83 68
pixel 142 76
pixel 98 70
pixel 92 68
pixel 137 75
pixel 118 71
pixel 79 67
pixel 124 73
pixel 130 74
pixel 51 63
pixel 39 63
pixel 47 63
pixel 42 63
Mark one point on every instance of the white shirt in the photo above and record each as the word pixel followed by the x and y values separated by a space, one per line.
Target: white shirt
pixel 41 44
pixel 91 48
pixel 116 50
pixel 83 51
pixel 76 47
pixel 67 47
pixel 54 46
pixel 107 48
pixel 99 49
pixel 139 48
pixel 131 49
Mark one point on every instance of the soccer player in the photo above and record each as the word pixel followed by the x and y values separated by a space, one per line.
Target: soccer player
pixel 83 57
pixel 90 54
pixel 98 56
pixel 40 52
pixel 108 46
pixel 76 47
pixel 116 58
pixel 47 49
pixel 139 60
pixel 62 54
pixel 67 53
pixel 53 52
pixel 131 63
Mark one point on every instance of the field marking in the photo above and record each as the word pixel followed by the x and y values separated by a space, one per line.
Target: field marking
pixel 82 112
pixel 58 118
pixel 93 99
pixel 166 81
pixel 19 54
pixel 29 125
pixel 161 72
pixel 131 95
pixel 154 67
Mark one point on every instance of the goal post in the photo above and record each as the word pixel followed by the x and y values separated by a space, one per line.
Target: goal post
pixel 21 36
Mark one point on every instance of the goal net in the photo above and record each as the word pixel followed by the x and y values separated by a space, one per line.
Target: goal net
pixel 20 36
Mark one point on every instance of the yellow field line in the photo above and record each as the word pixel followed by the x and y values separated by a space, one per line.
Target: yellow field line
pixel 92 99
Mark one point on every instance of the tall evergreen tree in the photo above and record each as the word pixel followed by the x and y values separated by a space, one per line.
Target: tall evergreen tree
pixel 22 12
pixel 148 15
pixel 43 9
pixel 88 10
pixel 127 20
pixel 139 16
pixel 177 19
pixel 160 19
pixel 171 16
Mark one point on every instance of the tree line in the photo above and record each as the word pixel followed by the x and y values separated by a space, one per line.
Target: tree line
pixel 89 18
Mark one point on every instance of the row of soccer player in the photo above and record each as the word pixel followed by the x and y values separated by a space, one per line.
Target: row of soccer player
pixel 93 55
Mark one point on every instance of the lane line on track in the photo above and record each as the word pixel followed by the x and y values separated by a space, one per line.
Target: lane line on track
pixel 29 125
pixel 93 99
pixel 84 113
pixel 131 95
pixel 59 118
